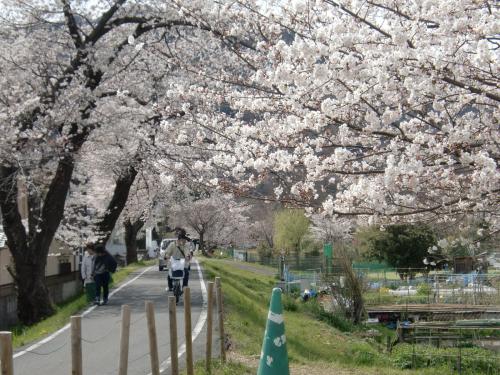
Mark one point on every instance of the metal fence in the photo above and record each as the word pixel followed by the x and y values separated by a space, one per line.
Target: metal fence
pixel 383 285
pixel 434 287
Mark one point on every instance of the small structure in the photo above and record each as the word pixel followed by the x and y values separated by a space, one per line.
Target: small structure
pixel 241 255
pixel 468 264
pixel 463 264
pixel 432 312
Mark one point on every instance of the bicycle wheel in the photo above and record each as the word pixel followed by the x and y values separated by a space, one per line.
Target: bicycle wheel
pixel 177 291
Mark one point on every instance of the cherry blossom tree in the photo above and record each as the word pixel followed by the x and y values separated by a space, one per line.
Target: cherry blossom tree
pixel 262 225
pixel 376 108
pixel 331 230
pixel 139 211
pixel 373 108
pixel 61 62
pixel 217 219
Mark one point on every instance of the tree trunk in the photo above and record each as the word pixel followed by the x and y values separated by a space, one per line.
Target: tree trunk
pixel 297 257
pixel 202 243
pixel 131 230
pixel 115 207
pixel 30 250
pixel 30 246
pixel 33 298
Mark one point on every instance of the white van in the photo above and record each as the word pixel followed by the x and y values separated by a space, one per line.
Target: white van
pixel 162 261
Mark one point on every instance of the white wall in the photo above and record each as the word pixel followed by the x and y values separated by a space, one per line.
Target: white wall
pixel 57 253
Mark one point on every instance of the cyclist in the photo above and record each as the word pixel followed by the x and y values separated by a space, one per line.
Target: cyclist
pixel 178 250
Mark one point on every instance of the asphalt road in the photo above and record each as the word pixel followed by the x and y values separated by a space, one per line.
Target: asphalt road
pixel 101 331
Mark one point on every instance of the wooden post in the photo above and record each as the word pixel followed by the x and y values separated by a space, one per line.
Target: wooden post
pixel 208 358
pixel 76 345
pixel 459 366
pixel 187 331
pixel 173 335
pixel 379 291
pixel 220 311
pixel 7 362
pixel 399 331
pixel 413 356
pixel 124 340
pixel 153 343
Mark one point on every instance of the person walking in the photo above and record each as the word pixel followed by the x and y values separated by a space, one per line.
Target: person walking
pixel 87 272
pixel 178 250
pixel 104 264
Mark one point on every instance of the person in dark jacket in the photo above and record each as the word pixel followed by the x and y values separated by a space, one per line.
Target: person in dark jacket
pixel 104 263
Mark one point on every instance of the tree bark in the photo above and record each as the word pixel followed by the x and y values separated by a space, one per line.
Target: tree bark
pixel 30 250
pixel 297 256
pixel 202 242
pixel 115 207
pixel 30 246
pixel 33 299
pixel 131 230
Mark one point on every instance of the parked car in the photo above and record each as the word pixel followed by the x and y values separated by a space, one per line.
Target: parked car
pixel 162 261
pixel 404 291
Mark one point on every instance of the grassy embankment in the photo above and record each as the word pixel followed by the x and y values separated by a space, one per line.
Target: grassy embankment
pixel 315 344
pixel 22 335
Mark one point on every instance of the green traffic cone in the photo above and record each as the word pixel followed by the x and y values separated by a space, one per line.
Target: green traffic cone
pixel 274 356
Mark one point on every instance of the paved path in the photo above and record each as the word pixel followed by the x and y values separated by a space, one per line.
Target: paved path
pixel 101 331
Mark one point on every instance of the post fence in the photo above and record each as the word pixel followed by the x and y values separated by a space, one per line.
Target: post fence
pixel 187 331
pixel 208 358
pixel 220 312
pixel 173 335
pixel 153 343
pixel 6 353
pixel 6 350
pixel 76 346
pixel 124 340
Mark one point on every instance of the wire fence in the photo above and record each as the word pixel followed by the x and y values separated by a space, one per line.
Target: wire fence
pixel 453 353
pixel 462 361
pixel 460 349
pixel 385 285
pixel 436 288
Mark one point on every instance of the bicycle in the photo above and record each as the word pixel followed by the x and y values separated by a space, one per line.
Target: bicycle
pixel 177 275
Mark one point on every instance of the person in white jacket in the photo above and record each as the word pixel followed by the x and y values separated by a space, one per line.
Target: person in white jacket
pixel 179 250
pixel 87 272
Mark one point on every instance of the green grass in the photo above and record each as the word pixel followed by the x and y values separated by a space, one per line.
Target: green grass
pixel 474 360
pixel 23 335
pixel 257 266
pixel 246 296
pixel 379 298
pixel 314 337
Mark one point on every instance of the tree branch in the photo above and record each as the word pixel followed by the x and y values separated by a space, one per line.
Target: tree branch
pixel 361 19
pixel 472 89
pixel 72 25
pixel 99 30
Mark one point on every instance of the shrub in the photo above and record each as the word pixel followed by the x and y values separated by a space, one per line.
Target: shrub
pixel 289 303
pixel 334 319
pixel 264 251
pixel 393 286
pixel 361 355
pixel 474 360
pixel 424 289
